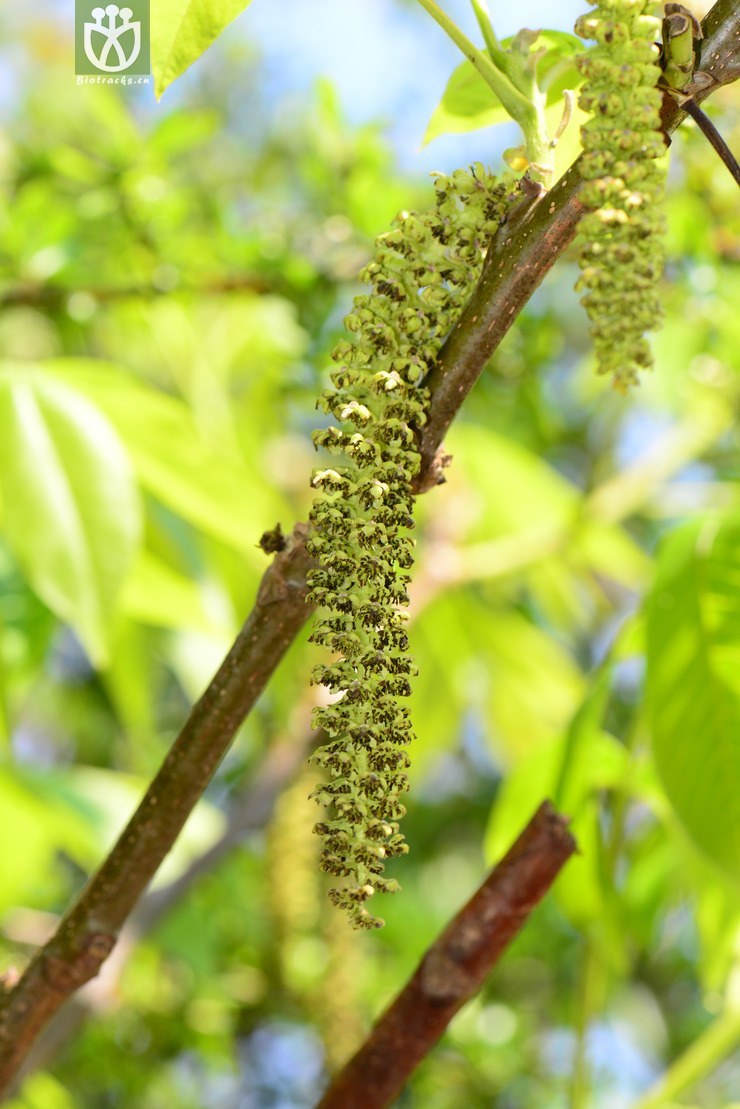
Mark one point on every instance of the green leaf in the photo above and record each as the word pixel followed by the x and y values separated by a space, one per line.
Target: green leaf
pixel 518 491
pixel 72 515
pixel 479 661
pixel 39 814
pixel 468 103
pixel 216 494
pixel 156 594
pixel 693 683
pixel 182 30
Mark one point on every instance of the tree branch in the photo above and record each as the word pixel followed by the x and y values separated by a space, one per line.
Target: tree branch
pixel 249 811
pixel 87 933
pixel 518 260
pixel 455 967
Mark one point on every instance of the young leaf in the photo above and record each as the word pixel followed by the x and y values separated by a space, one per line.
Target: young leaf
pixel 72 514
pixel 693 683
pixel 182 30
pixel 468 104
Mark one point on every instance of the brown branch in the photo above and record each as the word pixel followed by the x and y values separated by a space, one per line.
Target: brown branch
pixel 249 811
pixel 454 968
pixel 88 932
pixel 519 259
pixel 713 137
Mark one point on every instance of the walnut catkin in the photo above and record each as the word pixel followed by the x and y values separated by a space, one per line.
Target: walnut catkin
pixel 421 276
pixel 621 258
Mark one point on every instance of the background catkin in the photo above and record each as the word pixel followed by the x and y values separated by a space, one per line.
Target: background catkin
pixel 421 276
pixel 622 254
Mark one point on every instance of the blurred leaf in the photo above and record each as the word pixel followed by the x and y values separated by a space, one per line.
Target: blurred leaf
pixel 182 30
pixel 38 815
pixel 468 103
pixel 492 666
pixel 534 684
pixel 515 490
pixel 599 762
pixel 693 683
pixel 154 593
pixel 170 458
pixel 72 515
pixel 131 681
pixel 42 1091
pixel 611 552
pixel 448 682
pixel 585 723
pixel 182 130
pixel 718 922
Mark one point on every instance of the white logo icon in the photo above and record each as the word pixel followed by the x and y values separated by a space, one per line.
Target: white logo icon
pixel 106 36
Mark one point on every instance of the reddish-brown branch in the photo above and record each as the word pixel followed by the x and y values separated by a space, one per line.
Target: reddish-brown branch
pixel 455 967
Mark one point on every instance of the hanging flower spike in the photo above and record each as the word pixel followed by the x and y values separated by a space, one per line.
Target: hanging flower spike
pixel 622 256
pixel 421 277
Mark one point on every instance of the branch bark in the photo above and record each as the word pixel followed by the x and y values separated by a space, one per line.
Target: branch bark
pixel 518 261
pixel 250 811
pixel 87 933
pixel 455 967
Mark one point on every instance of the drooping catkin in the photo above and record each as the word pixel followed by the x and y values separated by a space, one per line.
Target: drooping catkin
pixel 421 276
pixel 622 254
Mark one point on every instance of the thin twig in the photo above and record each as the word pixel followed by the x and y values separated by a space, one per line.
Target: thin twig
pixel 712 135
pixel 455 967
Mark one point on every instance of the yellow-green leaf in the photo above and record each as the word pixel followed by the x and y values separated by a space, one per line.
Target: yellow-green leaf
pixel 693 683
pixel 71 509
pixel 182 30
pixel 469 104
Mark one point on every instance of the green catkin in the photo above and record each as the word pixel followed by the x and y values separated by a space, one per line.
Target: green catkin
pixel 338 1000
pixel 299 916
pixel 421 276
pixel 622 256
pixel 293 882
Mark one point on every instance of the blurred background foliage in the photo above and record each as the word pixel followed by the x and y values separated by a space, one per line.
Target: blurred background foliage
pixel 171 283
